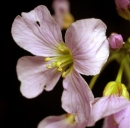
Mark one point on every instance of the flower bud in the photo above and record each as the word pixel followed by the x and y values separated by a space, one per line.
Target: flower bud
pixel 123 8
pixel 115 41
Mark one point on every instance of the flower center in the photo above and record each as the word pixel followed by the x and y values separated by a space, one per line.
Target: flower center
pixel 63 63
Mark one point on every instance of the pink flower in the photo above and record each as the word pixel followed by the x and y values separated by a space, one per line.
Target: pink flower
pixel 115 98
pixel 63 121
pixel 62 14
pixel 85 51
pixel 120 119
pixel 115 41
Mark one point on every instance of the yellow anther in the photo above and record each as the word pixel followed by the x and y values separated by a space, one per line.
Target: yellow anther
pixel 64 74
pixel 58 64
pixel 47 59
pixel 48 66
pixel 59 69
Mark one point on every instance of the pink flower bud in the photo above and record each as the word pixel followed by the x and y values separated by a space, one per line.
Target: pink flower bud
pixel 115 41
pixel 123 8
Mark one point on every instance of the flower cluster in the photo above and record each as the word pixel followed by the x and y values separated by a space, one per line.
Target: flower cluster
pixel 85 51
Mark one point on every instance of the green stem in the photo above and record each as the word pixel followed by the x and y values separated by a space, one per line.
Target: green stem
pixel 94 78
pixel 127 71
pixel 120 72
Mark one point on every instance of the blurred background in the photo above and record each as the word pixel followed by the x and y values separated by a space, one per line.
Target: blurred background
pixel 15 110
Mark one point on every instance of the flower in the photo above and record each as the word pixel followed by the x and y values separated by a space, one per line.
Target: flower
pixel 85 51
pixel 119 119
pixel 62 14
pixel 115 41
pixel 115 98
pixel 123 8
pixel 63 121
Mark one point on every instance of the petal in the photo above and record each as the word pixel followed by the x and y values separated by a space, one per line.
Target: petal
pixel 34 76
pixel 87 41
pixel 106 106
pixel 109 122
pixel 60 122
pixel 56 122
pixel 77 97
pixel 123 117
pixel 37 32
pixel 60 7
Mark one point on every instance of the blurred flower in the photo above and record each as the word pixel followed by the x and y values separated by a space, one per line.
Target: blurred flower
pixel 62 14
pixel 115 98
pixel 123 8
pixel 63 121
pixel 120 119
pixel 115 41
pixel 85 51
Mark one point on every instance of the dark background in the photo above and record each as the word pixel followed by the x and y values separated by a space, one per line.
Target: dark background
pixel 19 112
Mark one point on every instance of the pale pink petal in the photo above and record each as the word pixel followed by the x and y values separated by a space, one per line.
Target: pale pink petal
pixel 37 32
pixel 77 97
pixel 56 122
pixel 87 41
pixel 60 122
pixel 106 106
pixel 35 77
pixel 123 117
pixel 60 7
pixel 109 122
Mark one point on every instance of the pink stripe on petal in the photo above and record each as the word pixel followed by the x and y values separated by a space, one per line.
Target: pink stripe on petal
pixel 87 41
pixel 35 77
pixel 77 97
pixel 37 32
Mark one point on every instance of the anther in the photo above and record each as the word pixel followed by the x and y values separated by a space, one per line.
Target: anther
pixel 64 74
pixel 59 69
pixel 48 66
pixel 58 64
pixel 47 59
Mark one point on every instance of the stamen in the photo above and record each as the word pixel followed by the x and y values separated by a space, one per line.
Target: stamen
pixel 61 48
pixel 48 66
pixel 47 59
pixel 59 69
pixel 66 72
pixel 58 64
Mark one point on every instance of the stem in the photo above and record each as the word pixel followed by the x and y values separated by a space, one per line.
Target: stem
pixel 127 72
pixel 94 78
pixel 120 72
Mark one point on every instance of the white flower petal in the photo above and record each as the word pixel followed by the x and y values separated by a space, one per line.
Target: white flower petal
pixel 87 41
pixel 37 32
pixel 77 97
pixel 35 77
